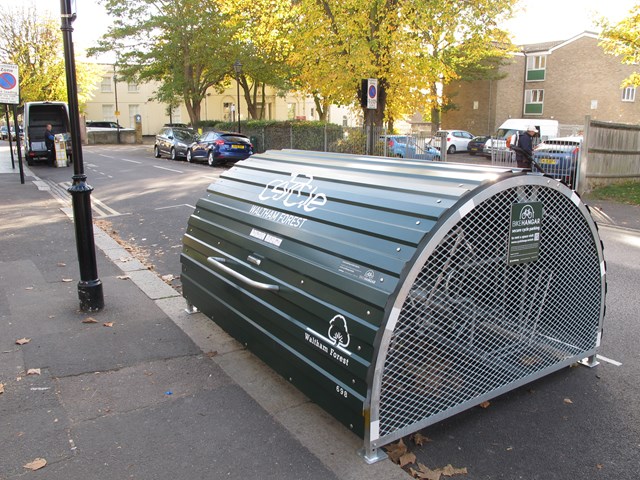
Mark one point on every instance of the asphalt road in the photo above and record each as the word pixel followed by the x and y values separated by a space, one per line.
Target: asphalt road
pixel 530 433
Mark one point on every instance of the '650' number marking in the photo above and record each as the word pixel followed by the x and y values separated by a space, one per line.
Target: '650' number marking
pixel 341 391
pixel 297 191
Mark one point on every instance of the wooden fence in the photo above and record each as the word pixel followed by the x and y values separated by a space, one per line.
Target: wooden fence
pixel 611 154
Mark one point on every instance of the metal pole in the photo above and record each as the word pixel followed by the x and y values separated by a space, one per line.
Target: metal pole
pixel 115 92
pixel 237 66
pixel 6 111
pixel 89 286
pixel 18 148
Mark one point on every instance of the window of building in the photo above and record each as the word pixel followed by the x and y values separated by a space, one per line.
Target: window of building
pixel 176 116
pixel 345 121
pixel 133 111
pixel 533 102
pixel 536 68
pixel 629 94
pixel 132 87
pixel 105 85
pixel 291 111
pixel 108 112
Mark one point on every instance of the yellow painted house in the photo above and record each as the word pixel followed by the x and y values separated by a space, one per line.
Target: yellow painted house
pixel 123 100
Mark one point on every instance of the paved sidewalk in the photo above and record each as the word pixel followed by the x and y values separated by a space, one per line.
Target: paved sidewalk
pixel 141 389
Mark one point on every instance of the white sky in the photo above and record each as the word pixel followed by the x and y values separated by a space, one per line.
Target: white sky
pixel 535 21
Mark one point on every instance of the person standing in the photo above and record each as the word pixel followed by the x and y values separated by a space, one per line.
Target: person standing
pixel 524 147
pixel 50 143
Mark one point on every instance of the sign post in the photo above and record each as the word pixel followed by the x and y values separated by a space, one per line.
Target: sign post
pixel 10 94
pixel 372 105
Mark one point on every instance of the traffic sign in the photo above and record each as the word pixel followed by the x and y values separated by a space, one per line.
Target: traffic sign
pixel 372 93
pixel 9 84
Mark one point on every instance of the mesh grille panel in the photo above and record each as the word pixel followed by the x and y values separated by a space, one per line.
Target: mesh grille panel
pixel 471 324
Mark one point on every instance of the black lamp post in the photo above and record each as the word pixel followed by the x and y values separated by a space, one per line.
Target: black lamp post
pixel 115 92
pixel 237 66
pixel 89 286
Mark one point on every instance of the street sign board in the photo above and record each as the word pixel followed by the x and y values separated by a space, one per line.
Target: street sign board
pixel 372 93
pixel 9 84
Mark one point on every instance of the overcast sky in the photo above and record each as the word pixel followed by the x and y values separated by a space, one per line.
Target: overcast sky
pixel 536 20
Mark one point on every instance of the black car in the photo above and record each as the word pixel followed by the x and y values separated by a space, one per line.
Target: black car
pixel 220 147
pixel 476 145
pixel 174 142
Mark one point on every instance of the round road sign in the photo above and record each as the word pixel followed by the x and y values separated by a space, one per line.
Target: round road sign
pixel 7 81
pixel 372 91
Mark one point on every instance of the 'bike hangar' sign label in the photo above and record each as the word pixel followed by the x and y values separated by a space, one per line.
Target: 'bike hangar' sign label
pixel 9 84
pixel 524 232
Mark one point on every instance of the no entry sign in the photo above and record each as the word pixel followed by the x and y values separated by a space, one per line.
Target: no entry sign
pixel 9 84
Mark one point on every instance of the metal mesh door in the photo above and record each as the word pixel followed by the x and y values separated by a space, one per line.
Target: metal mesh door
pixel 473 326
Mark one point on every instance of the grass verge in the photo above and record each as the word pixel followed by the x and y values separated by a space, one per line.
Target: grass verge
pixel 628 192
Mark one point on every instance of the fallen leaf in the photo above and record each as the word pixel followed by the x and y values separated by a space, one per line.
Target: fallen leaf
pixel 37 464
pixel 33 371
pixel 211 354
pixel 420 439
pixel 167 278
pixel 396 450
pixel 89 320
pixel 567 401
pixel 425 473
pixel 107 324
pixel 22 341
pixel 406 459
pixel 123 277
pixel 599 466
pixel 67 280
pixel 450 471
pixel 62 264
pixel 1 388
pixel 485 404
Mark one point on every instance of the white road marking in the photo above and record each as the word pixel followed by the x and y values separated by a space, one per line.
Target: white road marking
pixel 130 161
pixel 608 360
pixel 176 206
pixel 106 156
pixel 169 169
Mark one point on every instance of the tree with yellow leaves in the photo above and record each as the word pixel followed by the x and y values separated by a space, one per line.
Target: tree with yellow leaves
pixel 623 40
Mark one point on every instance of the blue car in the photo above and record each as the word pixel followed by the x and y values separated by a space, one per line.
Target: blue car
pixel 217 148
pixel 405 146
pixel 559 157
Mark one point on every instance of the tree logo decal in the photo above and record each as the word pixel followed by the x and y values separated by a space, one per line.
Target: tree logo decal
pixel 338 331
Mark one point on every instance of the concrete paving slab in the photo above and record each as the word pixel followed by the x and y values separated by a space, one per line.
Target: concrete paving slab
pixel 143 385
pixel 213 434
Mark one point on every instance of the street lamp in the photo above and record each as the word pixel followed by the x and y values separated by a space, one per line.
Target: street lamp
pixel 89 286
pixel 237 66
pixel 115 92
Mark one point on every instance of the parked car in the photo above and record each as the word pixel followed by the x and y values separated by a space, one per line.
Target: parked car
pixel 36 117
pixel 457 140
pixel 100 126
pixel 476 145
pixel 217 148
pixel 407 146
pixel 175 142
pixel 559 157
pixel 4 132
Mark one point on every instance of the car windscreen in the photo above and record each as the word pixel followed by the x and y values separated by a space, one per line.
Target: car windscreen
pixel 184 135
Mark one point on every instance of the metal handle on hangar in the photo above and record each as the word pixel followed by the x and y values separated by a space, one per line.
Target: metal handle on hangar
pixel 408 291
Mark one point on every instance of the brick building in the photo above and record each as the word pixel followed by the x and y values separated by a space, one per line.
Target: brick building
pixel 564 80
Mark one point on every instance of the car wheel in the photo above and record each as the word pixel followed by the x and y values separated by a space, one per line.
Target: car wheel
pixel 156 151
pixel 173 153
pixel 211 159
pixel 189 158
pixel 451 149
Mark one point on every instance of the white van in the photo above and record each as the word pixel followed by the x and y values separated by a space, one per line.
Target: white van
pixel 35 119
pixel 497 143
